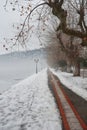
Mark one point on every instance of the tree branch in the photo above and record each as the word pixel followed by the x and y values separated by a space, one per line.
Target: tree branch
pixel 62 16
pixel 27 18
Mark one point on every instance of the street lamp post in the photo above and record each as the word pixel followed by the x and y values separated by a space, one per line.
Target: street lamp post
pixel 36 61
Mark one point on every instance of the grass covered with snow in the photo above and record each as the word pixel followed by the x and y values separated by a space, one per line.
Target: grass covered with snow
pixel 29 105
pixel 76 84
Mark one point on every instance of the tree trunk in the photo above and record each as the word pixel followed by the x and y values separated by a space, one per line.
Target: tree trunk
pixel 68 67
pixel 76 71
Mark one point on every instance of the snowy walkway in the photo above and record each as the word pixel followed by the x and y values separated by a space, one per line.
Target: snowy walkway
pixel 77 84
pixel 29 105
pixel 71 118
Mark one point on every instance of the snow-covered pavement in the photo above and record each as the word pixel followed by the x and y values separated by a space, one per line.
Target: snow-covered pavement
pixel 76 84
pixel 29 105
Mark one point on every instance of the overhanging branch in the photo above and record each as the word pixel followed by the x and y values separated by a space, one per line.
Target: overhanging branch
pixel 27 18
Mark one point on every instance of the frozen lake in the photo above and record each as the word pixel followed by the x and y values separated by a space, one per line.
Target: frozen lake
pixel 18 66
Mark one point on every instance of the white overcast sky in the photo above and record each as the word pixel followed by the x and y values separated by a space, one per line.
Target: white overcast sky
pixel 7 18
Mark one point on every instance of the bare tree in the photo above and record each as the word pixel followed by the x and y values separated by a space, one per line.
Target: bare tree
pixel 59 8
pixel 72 17
pixel 64 47
pixel 71 47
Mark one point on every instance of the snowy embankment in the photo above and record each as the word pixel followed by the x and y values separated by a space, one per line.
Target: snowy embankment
pixel 29 105
pixel 76 84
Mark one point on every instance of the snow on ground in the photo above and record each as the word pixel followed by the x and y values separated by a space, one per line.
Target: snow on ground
pixel 29 105
pixel 76 84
